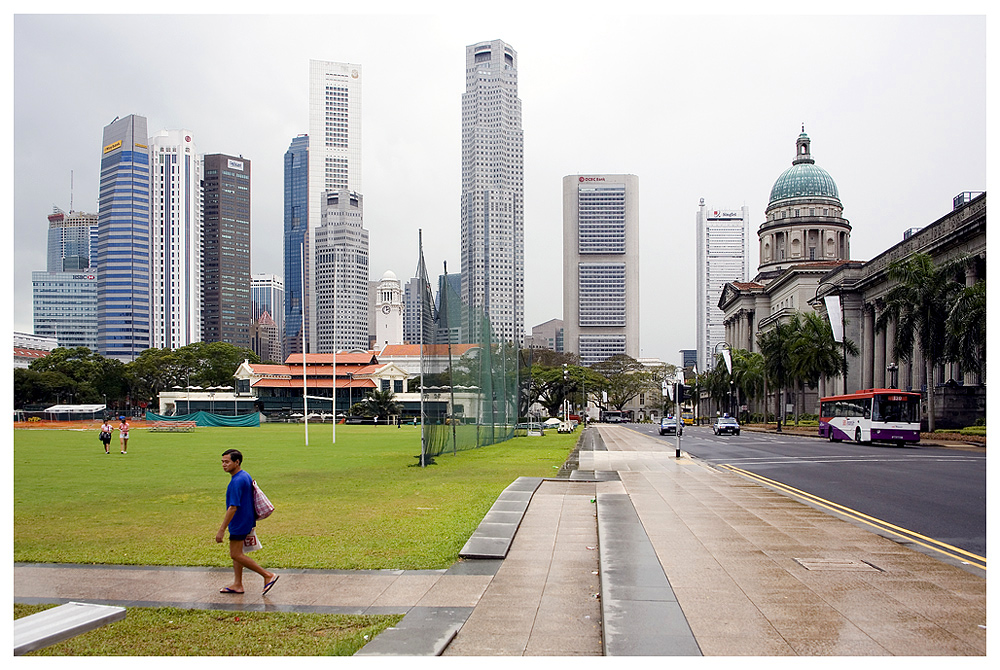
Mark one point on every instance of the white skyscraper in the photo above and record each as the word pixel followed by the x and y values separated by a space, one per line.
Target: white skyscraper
pixel 341 296
pixel 601 266
pixel 493 188
pixel 723 256
pixel 334 170
pixel 176 254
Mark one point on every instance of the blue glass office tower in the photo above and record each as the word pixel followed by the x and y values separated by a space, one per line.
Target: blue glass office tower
pixel 296 239
pixel 123 250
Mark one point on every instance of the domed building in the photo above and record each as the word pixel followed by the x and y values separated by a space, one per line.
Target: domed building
pixel 804 216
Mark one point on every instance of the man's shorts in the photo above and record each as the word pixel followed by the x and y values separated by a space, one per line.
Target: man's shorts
pixel 238 538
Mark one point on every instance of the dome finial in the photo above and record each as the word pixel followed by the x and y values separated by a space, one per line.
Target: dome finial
pixel 803 126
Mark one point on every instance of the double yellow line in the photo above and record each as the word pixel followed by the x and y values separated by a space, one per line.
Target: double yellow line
pixel 924 541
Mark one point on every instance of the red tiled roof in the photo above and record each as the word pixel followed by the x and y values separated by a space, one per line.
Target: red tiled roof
pixel 343 357
pixel 30 353
pixel 747 285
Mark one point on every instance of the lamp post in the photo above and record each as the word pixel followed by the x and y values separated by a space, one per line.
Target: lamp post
pixel 727 355
pixel 893 371
pixel 837 306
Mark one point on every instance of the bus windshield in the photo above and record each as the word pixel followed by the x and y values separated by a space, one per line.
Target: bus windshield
pixel 896 408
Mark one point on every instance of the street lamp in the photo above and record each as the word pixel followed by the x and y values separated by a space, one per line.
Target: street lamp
pixel 727 356
pixel 893 371
pixel 832 307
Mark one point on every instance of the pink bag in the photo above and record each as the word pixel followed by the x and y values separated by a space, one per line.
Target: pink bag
pixel 262 507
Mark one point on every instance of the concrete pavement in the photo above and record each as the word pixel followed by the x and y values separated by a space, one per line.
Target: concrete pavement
pixel 636 552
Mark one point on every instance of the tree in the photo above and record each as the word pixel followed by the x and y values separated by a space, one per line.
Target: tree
pixel 380 403
pixel 749 374
pixel 966 327
pixel 919 304
pixel 815 354
pixel 776 345
pixel 623 378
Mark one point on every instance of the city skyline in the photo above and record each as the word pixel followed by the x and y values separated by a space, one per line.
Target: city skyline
pixel 717 126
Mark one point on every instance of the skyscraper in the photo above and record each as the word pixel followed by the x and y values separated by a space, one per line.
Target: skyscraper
pixel 601 266
pixel 296 227
pixel 267 294
pixel 341 295
pixel 177 239
pixel 226 302
pixel 64 298
pixel 123 241
pixel 335 168
pixel 72 242
pixel 723 257
pixel 493 188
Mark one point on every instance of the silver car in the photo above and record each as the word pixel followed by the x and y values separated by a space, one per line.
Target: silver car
pixel 671 426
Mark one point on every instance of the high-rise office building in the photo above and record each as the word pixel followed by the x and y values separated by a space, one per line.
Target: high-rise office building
pixel 123 241
pixel 493 188
pixel 176 257
pixel 334 168
pixel 296 227
pixel 341 287
pixel 267 294
pixel 226 303
pixel 601 266
pixel 723 256
pixel 64 306
pixel 72 241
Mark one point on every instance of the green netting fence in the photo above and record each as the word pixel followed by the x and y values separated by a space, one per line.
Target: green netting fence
pixel 469 394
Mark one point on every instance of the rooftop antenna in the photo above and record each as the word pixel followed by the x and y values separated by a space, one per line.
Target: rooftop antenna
pixel 71 191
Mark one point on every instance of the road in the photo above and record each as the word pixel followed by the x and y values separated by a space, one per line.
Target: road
pixel 932 492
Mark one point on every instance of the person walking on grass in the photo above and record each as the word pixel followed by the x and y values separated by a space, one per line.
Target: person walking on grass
pixel 123 433
pixel 106 434
pixel 240 518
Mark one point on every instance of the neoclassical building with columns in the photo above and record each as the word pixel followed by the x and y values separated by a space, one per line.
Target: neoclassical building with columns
pixel 805 256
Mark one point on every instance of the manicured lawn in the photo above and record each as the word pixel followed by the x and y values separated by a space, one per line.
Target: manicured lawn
pixel 166 631
pixel 359 503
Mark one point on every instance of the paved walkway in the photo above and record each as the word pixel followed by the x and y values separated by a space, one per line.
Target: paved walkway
pixel 752 571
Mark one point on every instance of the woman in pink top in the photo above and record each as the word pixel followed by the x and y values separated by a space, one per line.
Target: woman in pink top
pixel 123 434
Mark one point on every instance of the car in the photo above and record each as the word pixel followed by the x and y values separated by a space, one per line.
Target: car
pixel 670 426
pixel 726 424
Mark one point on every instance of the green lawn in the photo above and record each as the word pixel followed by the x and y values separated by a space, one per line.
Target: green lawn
pixel 166 631
pixel 358 504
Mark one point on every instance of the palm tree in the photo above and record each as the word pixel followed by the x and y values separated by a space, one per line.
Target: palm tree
pixel 381 403
pixel 816 354
pixel 776 346
pixel 919 304
pixel 967 329
pixel 750 377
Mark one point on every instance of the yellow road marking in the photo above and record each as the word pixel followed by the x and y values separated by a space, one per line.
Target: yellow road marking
pixel 935 545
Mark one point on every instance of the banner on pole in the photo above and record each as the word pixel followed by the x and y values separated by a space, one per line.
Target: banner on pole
pixel 833 311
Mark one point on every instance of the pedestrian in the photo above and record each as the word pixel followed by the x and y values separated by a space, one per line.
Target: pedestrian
pixel 123 433
pixel 240 518
pixel 106 434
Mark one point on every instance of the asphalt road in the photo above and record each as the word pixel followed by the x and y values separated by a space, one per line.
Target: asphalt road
pixel 931 491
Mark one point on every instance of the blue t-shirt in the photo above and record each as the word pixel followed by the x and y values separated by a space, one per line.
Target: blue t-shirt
pixel 239 494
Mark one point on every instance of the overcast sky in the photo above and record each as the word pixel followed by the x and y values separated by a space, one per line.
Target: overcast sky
pixel 696 106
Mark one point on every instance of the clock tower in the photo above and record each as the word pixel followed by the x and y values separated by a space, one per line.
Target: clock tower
pixel 388 311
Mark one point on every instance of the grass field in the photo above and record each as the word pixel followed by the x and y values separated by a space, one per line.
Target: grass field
pixel 166 631
pixel 358 504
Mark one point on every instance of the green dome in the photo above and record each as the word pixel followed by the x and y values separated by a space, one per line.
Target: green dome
pixel 802 181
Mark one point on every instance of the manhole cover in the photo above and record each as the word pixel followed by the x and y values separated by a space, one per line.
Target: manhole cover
pixel 841 564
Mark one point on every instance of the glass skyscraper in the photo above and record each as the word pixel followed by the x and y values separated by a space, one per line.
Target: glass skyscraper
pixel 123 241
pixel 296 229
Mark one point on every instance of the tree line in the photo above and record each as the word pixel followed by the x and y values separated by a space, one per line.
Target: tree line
pixel 81 376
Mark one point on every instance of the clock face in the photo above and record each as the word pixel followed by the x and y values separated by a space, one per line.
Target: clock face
pixel 385 309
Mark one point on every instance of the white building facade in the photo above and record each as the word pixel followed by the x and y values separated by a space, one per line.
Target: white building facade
pixel 723 256
pixel 601 266
pixel 176 253
pixel 334 167
pixel 493 188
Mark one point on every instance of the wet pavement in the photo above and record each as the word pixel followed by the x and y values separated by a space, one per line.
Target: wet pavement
pixel 641 553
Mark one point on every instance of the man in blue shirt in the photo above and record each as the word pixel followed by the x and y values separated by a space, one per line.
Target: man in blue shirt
pixel 240 518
